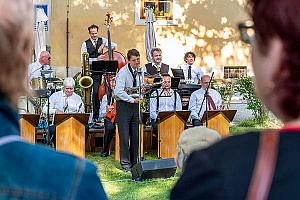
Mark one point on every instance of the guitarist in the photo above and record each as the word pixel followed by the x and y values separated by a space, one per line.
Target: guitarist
pixel 108 111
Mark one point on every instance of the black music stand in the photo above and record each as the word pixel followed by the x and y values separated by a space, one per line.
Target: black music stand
pixel 104 67
pixel 178 73
pixel 175 83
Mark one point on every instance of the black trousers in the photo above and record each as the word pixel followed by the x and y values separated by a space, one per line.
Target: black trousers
pixel 128 126
pixel 109 132
pixel 95 98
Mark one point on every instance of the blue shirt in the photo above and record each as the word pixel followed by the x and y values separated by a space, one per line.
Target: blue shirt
pixel 197 98
pixel 124 79
pixel 196 72
pixel 165 103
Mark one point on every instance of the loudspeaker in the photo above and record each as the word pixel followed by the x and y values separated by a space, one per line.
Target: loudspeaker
pixel 162 168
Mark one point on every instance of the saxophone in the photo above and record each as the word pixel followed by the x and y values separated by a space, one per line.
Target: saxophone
pixel 86 83
pixel 146 88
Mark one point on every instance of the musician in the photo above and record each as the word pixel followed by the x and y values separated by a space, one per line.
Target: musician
pixel 109 123
pixel 156 66
pixel 164 99
pixel 129 76
pixel 195 104
pixel 192 73
pixel 34 69
pixel 65 101
pixel 94 46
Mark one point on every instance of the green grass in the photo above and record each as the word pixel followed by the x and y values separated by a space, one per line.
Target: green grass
pixel 118 184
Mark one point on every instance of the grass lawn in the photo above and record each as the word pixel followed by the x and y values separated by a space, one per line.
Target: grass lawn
pixel 118 184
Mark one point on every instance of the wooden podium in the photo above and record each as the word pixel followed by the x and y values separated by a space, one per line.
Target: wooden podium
pixel 171 124
pixel 219 120
pixel 70 132
pixel 28 122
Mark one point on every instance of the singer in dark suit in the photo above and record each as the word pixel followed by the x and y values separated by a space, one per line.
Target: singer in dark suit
pixel 65 101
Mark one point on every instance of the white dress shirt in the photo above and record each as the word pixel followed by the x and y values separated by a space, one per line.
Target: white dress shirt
pixel 104 41
pixel 59 100
pixel 34 70
pixel 124 79
pixel 165 103
pixel 197 73
pixel 197 98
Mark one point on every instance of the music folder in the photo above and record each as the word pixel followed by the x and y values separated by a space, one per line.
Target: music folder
pixel 104 66
pixel 178 73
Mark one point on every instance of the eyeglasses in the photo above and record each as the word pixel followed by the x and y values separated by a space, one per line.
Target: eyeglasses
pixel 247 32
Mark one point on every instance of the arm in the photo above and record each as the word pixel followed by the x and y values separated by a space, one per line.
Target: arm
pixel 193 106
pixel 153 102
pixel 178 102
pixel 120 87
pixel 103 106
pixel 52 110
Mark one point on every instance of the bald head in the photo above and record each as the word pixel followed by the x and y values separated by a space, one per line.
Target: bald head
pixel 205 81
pixel 44 58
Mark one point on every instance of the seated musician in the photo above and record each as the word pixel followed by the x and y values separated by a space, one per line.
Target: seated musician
pixel 164 99
pixel 34 69
pixel 107 111
pixel 192 73
pixel 195 104
pixel 65 101
pixel 156 66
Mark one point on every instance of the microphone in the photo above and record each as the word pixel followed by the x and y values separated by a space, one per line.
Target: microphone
pixel 79 107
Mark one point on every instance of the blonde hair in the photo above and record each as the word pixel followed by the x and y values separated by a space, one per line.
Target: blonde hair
pixel 16 35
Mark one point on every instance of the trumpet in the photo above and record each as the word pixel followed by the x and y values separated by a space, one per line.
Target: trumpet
pixel 145 87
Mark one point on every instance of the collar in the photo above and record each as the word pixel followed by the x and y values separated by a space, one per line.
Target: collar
pixel 156 65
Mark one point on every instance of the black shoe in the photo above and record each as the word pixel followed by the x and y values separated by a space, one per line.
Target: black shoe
pixel 126 169
pixel 104 154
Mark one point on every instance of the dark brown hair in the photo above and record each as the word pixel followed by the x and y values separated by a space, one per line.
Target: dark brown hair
pixel 132 52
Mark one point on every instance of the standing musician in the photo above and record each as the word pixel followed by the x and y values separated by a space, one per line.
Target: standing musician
pixel 108 112
pixel 192 73
pixel 214 101
pixel 156 66
pixel 129 76
pixel 164 99
pixel 94 46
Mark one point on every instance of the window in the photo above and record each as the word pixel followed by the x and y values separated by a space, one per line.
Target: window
pixel 163 10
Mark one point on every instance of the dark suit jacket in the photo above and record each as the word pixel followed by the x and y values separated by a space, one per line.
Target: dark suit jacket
pixel 223 171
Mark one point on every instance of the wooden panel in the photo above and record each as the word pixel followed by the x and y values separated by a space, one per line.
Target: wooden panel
pixel 27 131
pixel 219 123
pixel 70 137
pixel 168 134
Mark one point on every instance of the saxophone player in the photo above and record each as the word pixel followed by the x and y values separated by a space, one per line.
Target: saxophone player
pixel 129 76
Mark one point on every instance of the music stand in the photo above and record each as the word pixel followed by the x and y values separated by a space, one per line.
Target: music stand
pixel 175 83
pixel 104 66
pixel 178 73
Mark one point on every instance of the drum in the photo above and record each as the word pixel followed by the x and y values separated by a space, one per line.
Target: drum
pixel 38 84
pixel 26 105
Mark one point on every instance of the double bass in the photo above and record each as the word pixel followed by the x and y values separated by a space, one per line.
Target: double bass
pixel 105 87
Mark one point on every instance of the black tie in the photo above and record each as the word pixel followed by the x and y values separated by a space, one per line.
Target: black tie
pixel 42 74
pixel 134 78
pixel 190 73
